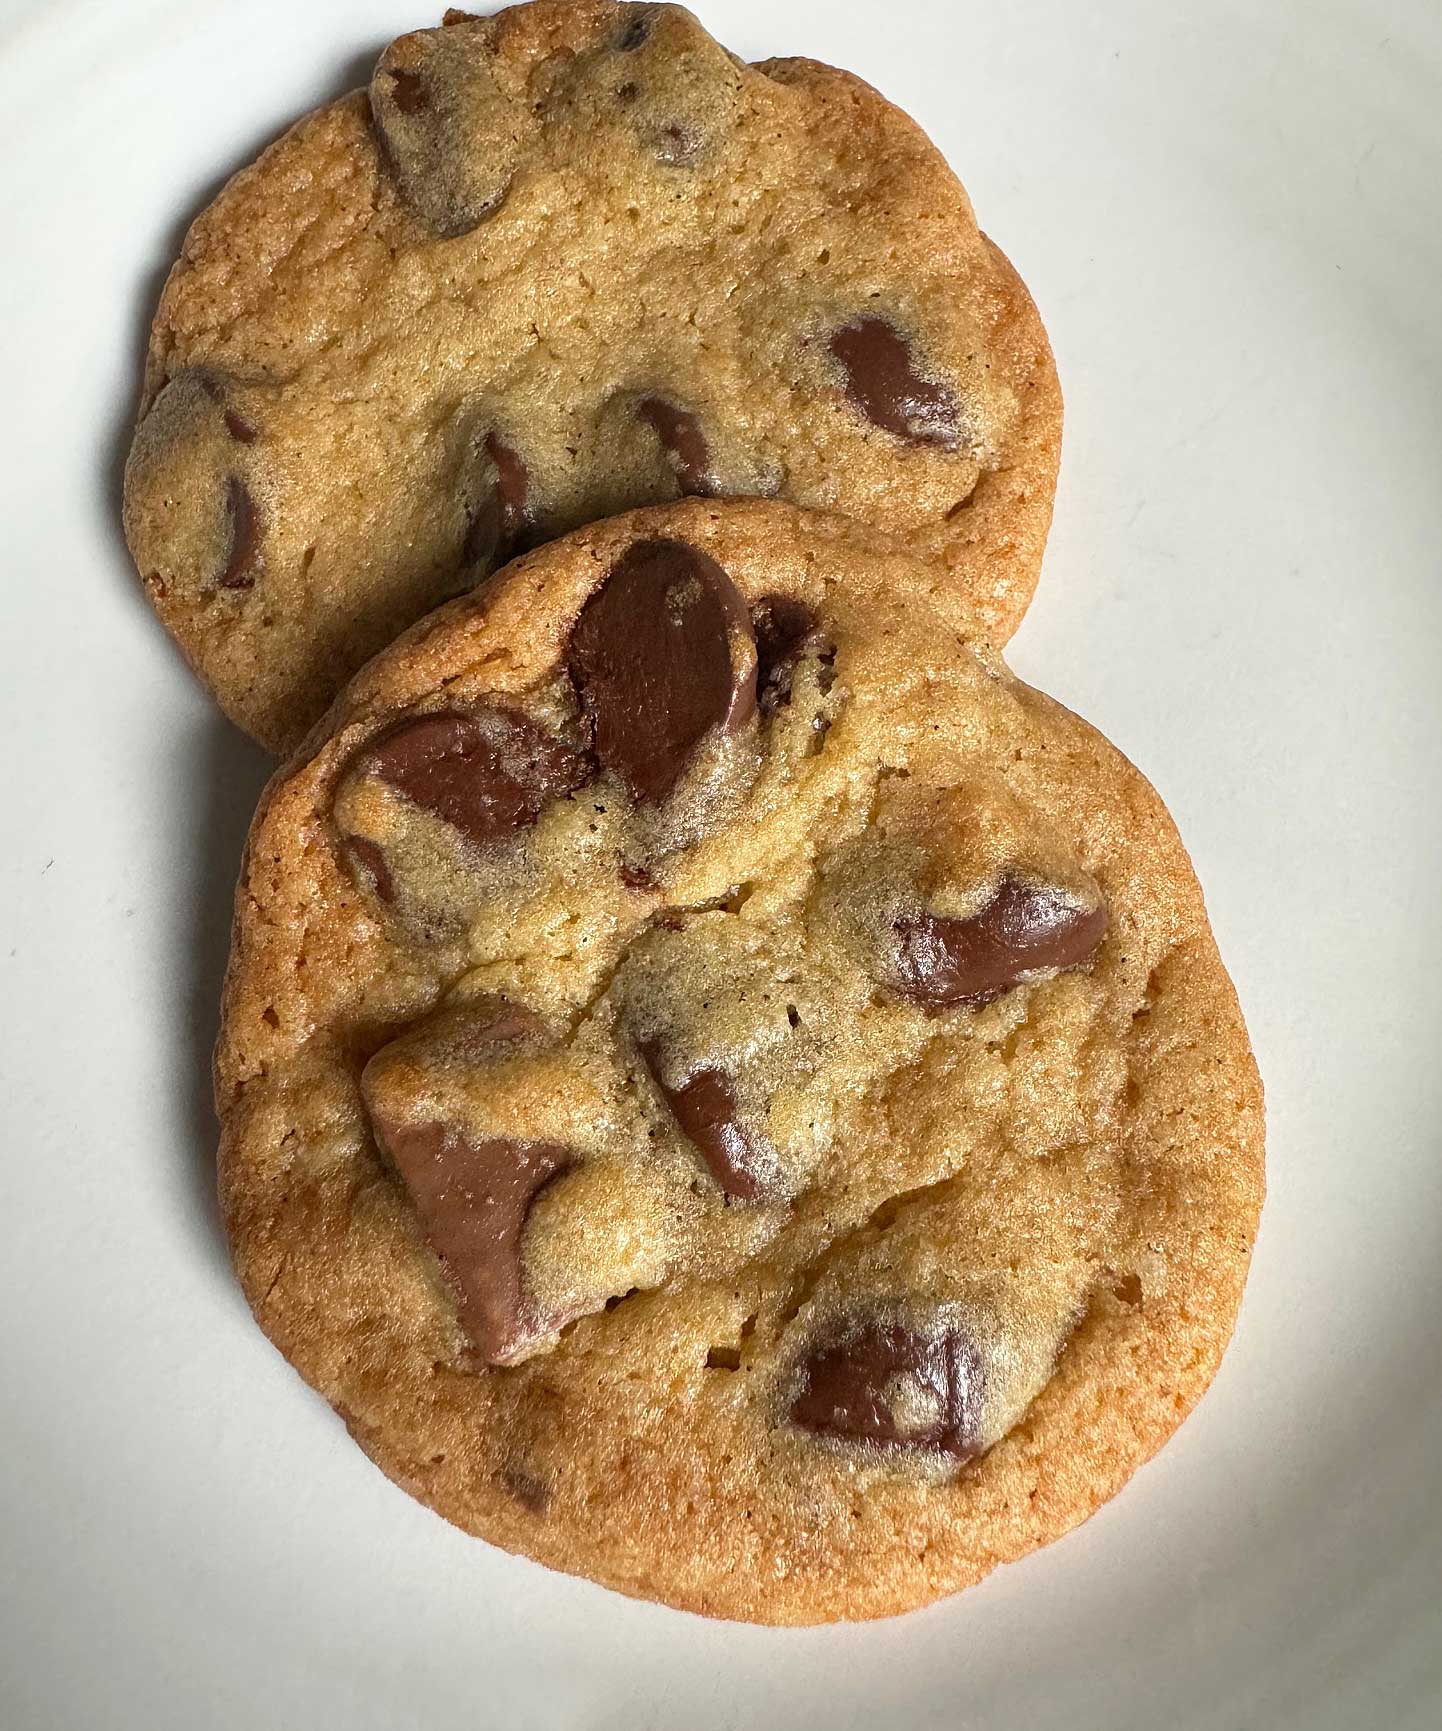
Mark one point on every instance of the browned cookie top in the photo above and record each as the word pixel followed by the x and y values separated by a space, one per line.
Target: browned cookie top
pixel 727 1091
pixel 556 263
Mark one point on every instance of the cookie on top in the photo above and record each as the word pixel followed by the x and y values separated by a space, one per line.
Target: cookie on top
pixel 727 1091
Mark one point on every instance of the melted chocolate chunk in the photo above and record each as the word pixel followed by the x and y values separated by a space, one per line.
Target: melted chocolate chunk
pixel 680 433
pixel 513 485
pixel 487 772
pixel 1025 929
pixel 499 521
pixel 662 654
pixel 242 557
pixel 742 1162
pixel 236 425
pixel 893 1386
pixel 785 628
pixel 451 136
pixel 473 1199
pixel 408 90
pixel 884 385
pixel 367 862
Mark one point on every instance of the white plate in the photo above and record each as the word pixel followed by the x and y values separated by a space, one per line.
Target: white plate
pixel 1229 216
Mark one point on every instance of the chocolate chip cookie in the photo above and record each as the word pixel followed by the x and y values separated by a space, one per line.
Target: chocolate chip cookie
pixel 554 264
pixel 726 1090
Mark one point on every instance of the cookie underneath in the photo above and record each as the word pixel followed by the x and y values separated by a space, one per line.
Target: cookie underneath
pixel 724 1089
pixel 556 263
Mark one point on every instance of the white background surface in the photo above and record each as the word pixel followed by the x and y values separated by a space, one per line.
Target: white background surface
pixel 1229 214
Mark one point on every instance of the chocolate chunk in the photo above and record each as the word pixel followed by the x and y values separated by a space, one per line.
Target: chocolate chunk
pixel 367 862
pixel 513 485
pixel 1025 929
pixel 242 557
pixel 784 629
pixel 742 1162
pixel 894 1386
pixel 663 655
pixel 487 772
pixel 408 92
pixel 473 1199
pixel 236 425
pixel 452 137
pixel 498 522
pixel 884 385
pixel 680 432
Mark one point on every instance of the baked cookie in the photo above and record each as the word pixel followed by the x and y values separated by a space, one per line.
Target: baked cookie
pixel 556 263
pixel 725 1090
